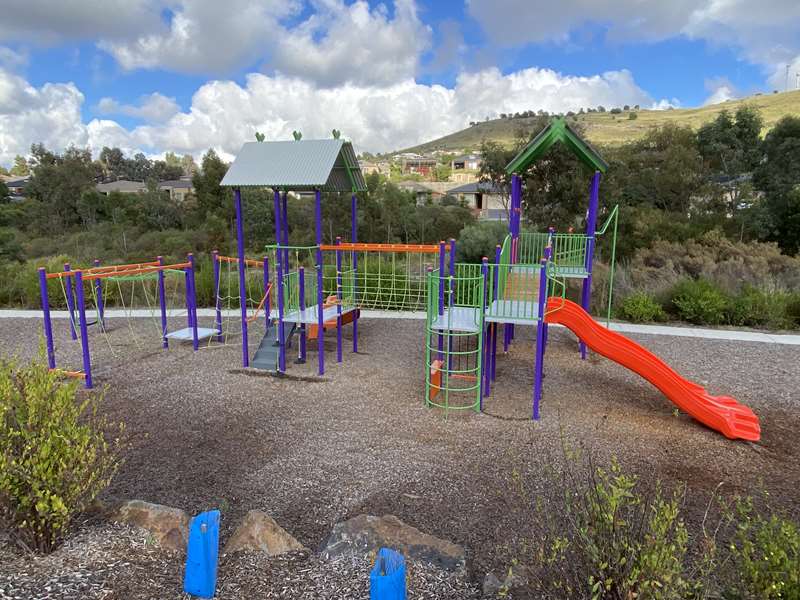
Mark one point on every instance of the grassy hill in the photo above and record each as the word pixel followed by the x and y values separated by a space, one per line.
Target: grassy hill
pixel 605 128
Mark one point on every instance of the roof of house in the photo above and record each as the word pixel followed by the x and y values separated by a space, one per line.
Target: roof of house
pixel 465 157
pixel 121 185
pixel 15 180
pixel 557 131
pixel 327 165
pixel 477 187
pixel 176 183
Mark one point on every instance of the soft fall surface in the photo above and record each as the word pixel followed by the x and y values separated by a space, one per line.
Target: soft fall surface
pixel 311 452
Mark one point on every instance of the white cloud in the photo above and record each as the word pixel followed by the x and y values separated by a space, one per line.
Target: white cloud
pixel 12 59
pixel 721 90
pixel 225 114
pixel 765 33
pixel 353 43
pixel 153 108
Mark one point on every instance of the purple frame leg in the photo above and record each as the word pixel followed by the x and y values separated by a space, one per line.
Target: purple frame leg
pixel 237 195
pixel 301 282
pixel 217 308
pixel 539 368
pixel 193 302
pixel 87 359
pixel 48 325
pixel 591 226
pixel 162 304
pixel 320 267
pixel 339 304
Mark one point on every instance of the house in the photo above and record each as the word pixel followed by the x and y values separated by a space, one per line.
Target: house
pixel 178 189
pixel 381 168
pixel 420 165
pixel 16 185
pixel 486 200
pixel 466 162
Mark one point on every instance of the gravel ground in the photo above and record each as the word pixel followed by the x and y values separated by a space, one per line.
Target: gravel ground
pixel 312 452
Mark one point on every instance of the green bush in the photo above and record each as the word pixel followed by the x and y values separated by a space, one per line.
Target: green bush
pixel 641 307
pixel 56 453
pixel 700 301
pixel 480 239
pixel 766 554
pixel 755 308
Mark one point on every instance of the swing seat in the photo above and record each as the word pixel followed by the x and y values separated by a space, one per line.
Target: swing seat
pixel 185 334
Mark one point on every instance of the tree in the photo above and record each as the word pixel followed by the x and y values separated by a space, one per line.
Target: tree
pixel 4 192
pixel 20 167
pixel 211 197
pixel 778 176
pixel 113 163
pixel 188 166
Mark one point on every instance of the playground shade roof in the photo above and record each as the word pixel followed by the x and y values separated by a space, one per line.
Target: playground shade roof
pixel 557 131
pixel 327 165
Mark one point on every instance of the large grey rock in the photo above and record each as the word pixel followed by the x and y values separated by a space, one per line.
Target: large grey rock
pixel 258 532
pixel 169 526
pixel 367 533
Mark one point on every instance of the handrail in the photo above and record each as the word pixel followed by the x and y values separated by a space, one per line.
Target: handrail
pixel 261 304
pixel 611 215
pixel 366 247
pixel 129 273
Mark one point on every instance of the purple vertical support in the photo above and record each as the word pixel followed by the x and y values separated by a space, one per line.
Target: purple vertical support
pixel 193 301
pixel 451 296
pixel 485 372
pixel 301 283
pixel 98 288
pixel 265 269
pixel 281 324
pixel 539 368
pixel 81 306
pixel 339 301
pixel 217 307
pixel 48 325
pixel 591 226
pixel 237 200
pixel 354 239
pixel 162 304
pixel 548 255
pixel 320 266
pixel 442 281
pixel 70 302
pixel 278 228
pixel 187 286
pixel 285 225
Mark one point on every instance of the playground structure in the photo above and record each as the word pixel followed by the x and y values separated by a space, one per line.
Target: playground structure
pixel 305 291
pixel 89 288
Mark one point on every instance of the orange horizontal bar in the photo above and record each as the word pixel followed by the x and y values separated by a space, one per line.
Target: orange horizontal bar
pixel 232 259
pixel 359 247
pixel 104 269
pixel 76 374
pixel 142 271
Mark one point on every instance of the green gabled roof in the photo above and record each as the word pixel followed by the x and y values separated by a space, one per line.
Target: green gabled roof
pixel 327 165
pixel 557 131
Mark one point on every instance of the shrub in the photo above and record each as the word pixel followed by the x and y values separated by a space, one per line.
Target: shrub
pixel 756 308
pixel 480 239
pixel 765 552
pixel 700 301
pixel 641 307
pixel 56 453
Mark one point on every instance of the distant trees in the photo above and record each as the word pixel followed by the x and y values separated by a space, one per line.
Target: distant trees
pixel 116 166
pixel 20 167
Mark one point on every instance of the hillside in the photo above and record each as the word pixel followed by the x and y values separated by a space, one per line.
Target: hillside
pixel 605 128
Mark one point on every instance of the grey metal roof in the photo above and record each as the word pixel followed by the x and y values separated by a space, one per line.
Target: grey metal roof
pixel 328 165
pixel 477 187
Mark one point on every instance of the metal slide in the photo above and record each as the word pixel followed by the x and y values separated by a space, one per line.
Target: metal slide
pixel 722 413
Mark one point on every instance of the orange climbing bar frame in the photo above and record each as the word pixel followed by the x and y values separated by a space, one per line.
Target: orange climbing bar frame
pixel 410 248
pixel 89 276
pixel 109 269
pixel 248 261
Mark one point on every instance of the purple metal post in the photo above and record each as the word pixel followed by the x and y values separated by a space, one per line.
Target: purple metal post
pixel 217 308
pixel 265 267
pixel 548 255
pixel 237 200
pixel 98 288
pixel 87 360
pixel 192 301
pixel 48 326
pixel 339 301
pixel 484 329
pixel 320 267
pixel 442 281
pixel 281 324
pixel 591 226
pixel 285 220
pixel 301 282
pixel 539 368
pixel 162 304
pixel 451 296
pixel 70 302
pixel 354 239
pixel 278 229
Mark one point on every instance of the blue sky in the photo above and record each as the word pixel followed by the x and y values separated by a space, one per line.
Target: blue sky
pixel 186 75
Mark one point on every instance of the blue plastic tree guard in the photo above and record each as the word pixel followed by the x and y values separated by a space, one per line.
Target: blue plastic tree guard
pixel 387 580
pixel 202 555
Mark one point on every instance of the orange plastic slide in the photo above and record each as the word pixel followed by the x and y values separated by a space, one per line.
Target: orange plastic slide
pixel 723 413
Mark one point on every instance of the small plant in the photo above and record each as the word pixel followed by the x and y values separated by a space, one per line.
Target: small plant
pixel 765 552
pixel 641 307
pixel 755 308
pixel 700 301
pixel 56 453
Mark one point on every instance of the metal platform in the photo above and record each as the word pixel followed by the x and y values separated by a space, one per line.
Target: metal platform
pixel 519 312
pixel 310 315
pixel 458 318
pixel 185 335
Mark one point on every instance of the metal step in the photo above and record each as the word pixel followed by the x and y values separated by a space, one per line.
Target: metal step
pixel 268 351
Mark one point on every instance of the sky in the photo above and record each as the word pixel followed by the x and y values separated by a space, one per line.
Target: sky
pixel 188 75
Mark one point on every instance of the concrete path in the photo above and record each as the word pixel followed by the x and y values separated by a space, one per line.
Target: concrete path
pixel 694 332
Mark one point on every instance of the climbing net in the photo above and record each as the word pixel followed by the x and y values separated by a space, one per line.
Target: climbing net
pixel 258 301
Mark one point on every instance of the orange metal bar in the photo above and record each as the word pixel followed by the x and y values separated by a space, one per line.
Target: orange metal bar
pixel 359 247
pixel 248 261
pixel 142 271
pixel 261 304
pixel 105 269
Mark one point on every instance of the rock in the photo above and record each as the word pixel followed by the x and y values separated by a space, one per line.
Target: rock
pixel 170 526
pixel 491 585
pixel 258 532
pixel 367 533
